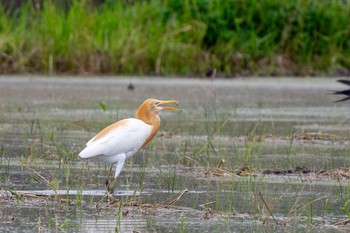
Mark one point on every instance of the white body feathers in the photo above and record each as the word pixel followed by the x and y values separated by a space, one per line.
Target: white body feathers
pixel 117 142
pixel 121 140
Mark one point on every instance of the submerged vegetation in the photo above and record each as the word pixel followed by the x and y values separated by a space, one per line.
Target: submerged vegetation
pixel 266 37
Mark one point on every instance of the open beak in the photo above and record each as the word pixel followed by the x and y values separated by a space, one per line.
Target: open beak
pixel 169 102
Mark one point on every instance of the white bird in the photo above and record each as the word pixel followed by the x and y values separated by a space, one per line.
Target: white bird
pixel 123 139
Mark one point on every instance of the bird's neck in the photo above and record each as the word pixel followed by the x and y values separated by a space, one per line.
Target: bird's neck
pixel 148 117
pixel 151 119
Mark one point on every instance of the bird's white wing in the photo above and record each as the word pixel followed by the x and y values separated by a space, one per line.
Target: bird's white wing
pixel 123 137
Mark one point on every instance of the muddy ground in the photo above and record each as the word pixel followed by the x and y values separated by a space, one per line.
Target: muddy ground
pixel 255 154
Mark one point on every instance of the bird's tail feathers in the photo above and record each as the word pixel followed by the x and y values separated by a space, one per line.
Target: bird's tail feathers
pixel 90 151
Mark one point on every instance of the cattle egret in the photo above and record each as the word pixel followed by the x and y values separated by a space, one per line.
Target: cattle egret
pixel 344 92
pixel 121 140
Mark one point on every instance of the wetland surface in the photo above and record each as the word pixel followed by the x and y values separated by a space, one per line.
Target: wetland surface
pixel 243 155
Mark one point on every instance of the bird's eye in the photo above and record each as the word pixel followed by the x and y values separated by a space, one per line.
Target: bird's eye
pixel 157 103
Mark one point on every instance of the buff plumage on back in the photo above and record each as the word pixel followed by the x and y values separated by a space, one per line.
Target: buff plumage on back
pixel 115 140
pixel 143 113
pixel 107 130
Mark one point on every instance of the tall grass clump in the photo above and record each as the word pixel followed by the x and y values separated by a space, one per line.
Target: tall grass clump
pixel 265 37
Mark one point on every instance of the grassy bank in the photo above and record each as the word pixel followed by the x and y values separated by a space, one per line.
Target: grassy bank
pixel 266 37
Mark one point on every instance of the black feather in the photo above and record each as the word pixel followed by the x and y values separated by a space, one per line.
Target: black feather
pixel 344 81
pixel 344 92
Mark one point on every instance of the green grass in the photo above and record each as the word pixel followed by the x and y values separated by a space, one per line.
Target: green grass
pixel 1 153
pixel 267 37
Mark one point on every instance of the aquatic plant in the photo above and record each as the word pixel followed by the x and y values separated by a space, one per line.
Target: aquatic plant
pixel 103 105
pixel 171 179
pixel 1 153
pixel 182 224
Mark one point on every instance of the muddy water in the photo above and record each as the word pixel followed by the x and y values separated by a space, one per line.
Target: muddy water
pixel 283 143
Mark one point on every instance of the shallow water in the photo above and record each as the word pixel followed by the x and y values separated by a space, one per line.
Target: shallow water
pixel 282 143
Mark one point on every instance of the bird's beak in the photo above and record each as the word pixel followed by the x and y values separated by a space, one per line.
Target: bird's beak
pixel 169 102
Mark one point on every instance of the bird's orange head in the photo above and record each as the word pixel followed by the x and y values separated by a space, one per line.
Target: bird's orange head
pixel 151 107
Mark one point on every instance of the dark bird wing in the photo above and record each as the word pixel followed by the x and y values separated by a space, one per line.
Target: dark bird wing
pixel 344 92
pixel 344 99
pixel 344 81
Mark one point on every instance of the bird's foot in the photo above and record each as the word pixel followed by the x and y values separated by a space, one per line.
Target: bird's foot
pixel 108 198
pixel 111 186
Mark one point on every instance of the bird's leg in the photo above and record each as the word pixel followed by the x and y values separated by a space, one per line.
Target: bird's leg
pixel 110 185
pixel 119 166
pixel 114 183
pixel 108 188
